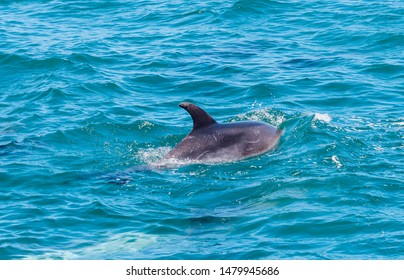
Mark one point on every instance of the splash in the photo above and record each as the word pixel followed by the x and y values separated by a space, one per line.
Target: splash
pixel 152 155
pixel 263 114
pixel 154 158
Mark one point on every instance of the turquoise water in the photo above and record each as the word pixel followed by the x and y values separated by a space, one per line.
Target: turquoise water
pixel 90 89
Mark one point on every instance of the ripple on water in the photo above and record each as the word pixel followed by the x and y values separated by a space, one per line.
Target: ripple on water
pixel 89 102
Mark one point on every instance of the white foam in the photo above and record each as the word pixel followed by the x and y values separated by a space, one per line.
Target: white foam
pixel 378 148
pixel 322 117
pixel 155 158
pixel 152 155
pixel 172 163
pixel 145 124
pixel 335 159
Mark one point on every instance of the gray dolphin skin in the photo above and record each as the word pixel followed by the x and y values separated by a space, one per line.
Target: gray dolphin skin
pixel 214 142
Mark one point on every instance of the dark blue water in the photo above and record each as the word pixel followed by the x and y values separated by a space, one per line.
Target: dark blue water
pixel 90 89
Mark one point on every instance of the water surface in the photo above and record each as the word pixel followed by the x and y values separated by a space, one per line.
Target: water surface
pixel 91 88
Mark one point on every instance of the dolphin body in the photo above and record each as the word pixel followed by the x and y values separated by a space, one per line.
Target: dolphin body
pixel 210 141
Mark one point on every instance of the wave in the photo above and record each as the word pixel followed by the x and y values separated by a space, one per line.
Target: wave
pixel 258 6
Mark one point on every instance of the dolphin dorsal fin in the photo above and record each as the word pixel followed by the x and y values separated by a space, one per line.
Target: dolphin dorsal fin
pixel 199 116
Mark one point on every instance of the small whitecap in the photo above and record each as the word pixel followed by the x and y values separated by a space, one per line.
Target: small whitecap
pixel 322 117
pixel 378 148
pixel 335 159
pixel 145 124
pixel 399 123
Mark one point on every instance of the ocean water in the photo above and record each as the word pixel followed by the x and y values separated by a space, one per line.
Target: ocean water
pixel 90 89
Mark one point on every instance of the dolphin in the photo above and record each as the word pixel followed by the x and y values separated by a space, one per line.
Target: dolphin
pixel 210 141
